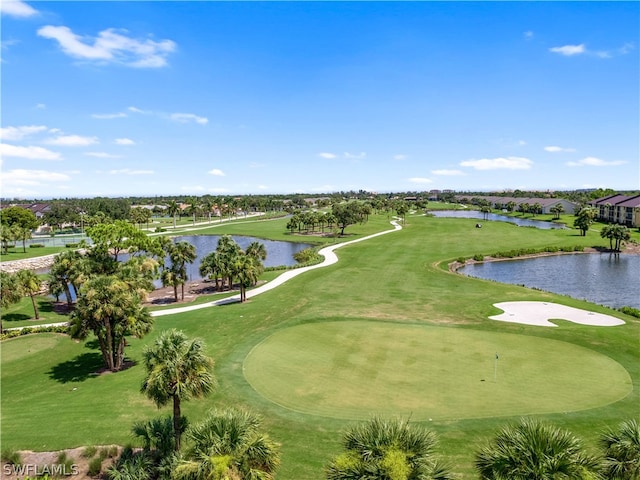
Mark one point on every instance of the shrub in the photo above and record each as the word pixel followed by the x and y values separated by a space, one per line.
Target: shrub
pixel 634 312
pixel 63 459
pixel 89 452
pixel 306 255
pixel 159 230
pixel 72 245
pixel 95 467
pixel 36 245
pixel 461 260
pixel 478 258
pixel 12 457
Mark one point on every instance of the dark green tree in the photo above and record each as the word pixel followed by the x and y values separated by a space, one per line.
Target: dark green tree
pixel 111 310
pixel 177 369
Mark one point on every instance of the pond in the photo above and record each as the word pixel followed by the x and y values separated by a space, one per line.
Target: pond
pixel 602 278
pixel 521 222
pixel 278 252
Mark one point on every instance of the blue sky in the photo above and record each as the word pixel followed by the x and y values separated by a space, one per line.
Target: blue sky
pixel 193 98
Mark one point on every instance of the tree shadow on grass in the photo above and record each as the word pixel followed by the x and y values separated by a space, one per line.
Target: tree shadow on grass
pixel 15 317
pixel 77 369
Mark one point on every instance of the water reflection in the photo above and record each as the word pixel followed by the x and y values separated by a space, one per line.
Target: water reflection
pixel 603 278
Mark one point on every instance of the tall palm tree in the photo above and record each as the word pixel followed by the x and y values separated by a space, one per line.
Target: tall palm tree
pixel 211 267
pixel 622 451
pixel 180 254
pixel 387 449
pixel 29 284
pixel 177 369
pixel 172 209
pixel 229 444
pixel 534 450
pixel 246 270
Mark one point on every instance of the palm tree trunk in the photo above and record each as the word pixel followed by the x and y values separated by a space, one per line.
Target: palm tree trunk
pixel 35 307
pixel 176 421
pixel 175 292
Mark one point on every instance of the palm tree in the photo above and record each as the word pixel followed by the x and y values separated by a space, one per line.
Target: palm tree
pixel 246 270
pixel 110 309
pixel 617 234
pixel 228 250
pixel 29 284
pixel 229 444
pixel 9 292
pixel 387 449
pixel 177 369
pixel 622 451
pixel 192 208
pixel 180 254
pixel 534 450
pixel 257 251
pixel 172 209
pixel 211 267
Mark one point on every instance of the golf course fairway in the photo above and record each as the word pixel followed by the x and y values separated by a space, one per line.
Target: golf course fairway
pixel 353 369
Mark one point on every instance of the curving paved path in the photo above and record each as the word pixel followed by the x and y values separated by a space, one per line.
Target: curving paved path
pixel 329 259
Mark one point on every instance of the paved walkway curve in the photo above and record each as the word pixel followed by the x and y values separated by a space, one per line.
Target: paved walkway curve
pixel 329 259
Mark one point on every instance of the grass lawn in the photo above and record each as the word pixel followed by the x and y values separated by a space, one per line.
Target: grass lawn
pixel 388 292
pixel 349 369
pixel 22 315
pixel 17 253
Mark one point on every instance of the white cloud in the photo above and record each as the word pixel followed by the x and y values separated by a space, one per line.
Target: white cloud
pixel 31 177
pixel 448 173
pixel 263 187
pixel 358 156
pixel 31 153
pixel 111 46
pixel 72 141
pixel 124 141
pixel 41 106
pixel 595 162
pixel 400 157
pixel 108 116
pixel 528 34
pixel 193 188
pixel 188 117
pixel 101 155
pixel 17 8
pixel 218 190
pixel 569 50
pixel 128 171
pixel 509 163
pixel 216 172
pixel 327 155
pixel 138 110
pixel 556 149
pixel 420 180
pixel 18 133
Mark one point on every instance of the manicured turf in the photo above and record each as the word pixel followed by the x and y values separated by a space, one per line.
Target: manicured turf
pixel 52 399
pixel 351 370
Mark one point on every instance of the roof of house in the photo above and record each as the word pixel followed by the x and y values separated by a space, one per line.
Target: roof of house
pixel 618 200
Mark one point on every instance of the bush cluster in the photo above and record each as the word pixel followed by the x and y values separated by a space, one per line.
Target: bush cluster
pixel 27 330
pixel 634 312
pixel 36 245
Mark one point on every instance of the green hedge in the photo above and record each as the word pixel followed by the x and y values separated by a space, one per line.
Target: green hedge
pixel 36 245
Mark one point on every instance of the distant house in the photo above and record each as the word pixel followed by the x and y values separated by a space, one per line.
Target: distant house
pixel 39 209
pixel 622 209
pixel 546 204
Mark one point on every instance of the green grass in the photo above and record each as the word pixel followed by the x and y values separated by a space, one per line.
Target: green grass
pixel 51 398
pixel 349 369
pixel 22 315
pixel 17 253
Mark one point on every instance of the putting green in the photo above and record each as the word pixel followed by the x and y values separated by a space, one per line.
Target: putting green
pixel 353 369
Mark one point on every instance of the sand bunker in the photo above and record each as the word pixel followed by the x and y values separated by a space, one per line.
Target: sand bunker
pixel 539 313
